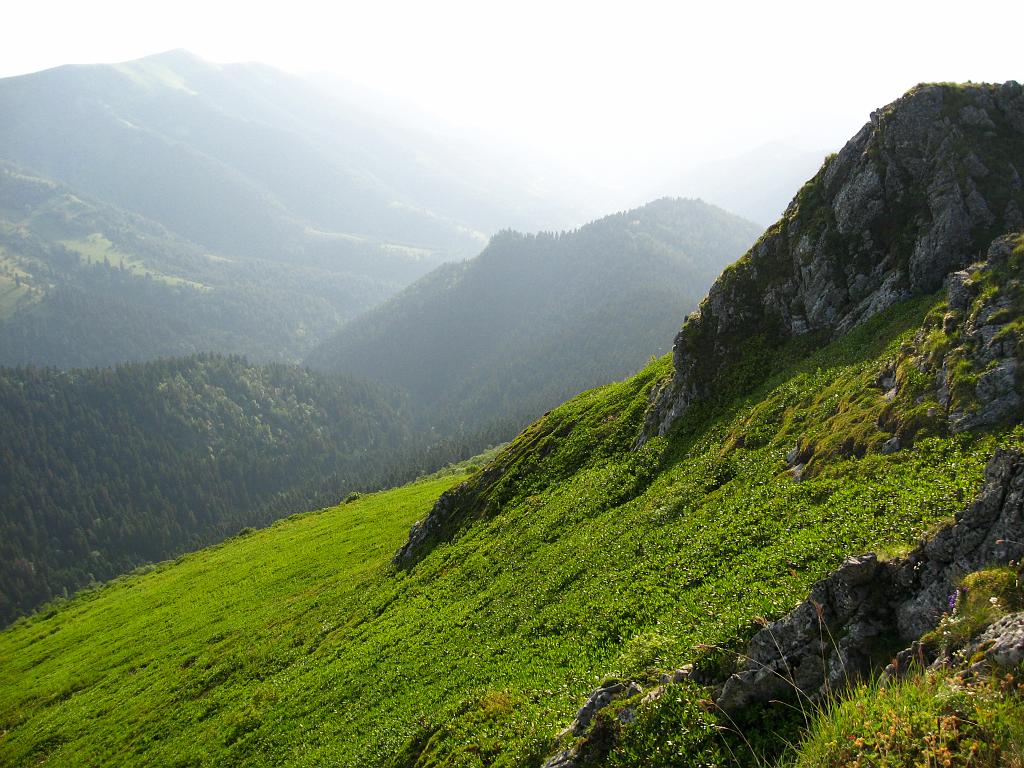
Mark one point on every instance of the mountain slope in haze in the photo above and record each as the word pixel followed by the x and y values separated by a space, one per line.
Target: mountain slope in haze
pixel 251 162
pixel 579 560
pixel 288 207
pixel 494 341
pixel 84 283
pixel 105 469
pixel 756 185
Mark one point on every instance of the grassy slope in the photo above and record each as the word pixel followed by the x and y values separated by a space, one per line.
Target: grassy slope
pixel 199 633
pixel 302 644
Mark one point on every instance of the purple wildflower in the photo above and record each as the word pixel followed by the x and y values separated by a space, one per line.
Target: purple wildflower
pixel 953 600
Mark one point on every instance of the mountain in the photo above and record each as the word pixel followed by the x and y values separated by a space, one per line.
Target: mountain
pixel 265 209
pixel 103 470
pixel 617 586
pixel 85 283
pixel 492 342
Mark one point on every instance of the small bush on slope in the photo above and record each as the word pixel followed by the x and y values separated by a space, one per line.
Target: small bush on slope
pixel 301 644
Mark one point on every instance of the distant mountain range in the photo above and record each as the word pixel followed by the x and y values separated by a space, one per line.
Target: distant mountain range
pixel 490 344
pixel 263 209
pixel 86 283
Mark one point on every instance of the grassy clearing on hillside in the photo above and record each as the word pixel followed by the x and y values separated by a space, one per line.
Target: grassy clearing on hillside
pixel 302 644
pixel 97 249
pixel 16 284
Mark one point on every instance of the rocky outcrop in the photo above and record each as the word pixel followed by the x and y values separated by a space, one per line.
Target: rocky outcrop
pixel 1002 644
pixel 456 506
pixel 917 194
pixel 869 609
pixel 983 322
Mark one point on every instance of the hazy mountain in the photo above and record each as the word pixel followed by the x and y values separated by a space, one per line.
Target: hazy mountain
pixel 501 338
pixel 250 161
pixel 86 283
pixel 170 205
pixel 757 184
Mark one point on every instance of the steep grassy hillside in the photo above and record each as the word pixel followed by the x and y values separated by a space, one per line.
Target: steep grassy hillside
pixel 577 558
pixel 488 345
pixel 83 283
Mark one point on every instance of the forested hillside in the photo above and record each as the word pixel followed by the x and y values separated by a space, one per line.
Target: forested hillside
pixel 250 161
pixel 104 469
pixel 485 346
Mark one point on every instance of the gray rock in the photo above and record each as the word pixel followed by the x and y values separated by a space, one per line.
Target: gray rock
pixel 973 116
pixel 1003 642
pixel 580 753
pixel 959 292
pixel 566 758
pixel 600 699
pixel 1013 216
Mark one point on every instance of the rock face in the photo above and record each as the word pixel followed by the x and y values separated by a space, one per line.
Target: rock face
pixel 869 609
pixel 449 511
pixel 918 193
pixel 1003 642
pixel 986 338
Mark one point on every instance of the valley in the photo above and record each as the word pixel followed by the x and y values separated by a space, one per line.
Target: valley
pixel 377 458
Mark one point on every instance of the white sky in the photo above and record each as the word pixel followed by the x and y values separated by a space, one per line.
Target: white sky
pixel 622 90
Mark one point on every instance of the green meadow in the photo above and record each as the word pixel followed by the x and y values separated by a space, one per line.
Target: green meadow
pixel 581 559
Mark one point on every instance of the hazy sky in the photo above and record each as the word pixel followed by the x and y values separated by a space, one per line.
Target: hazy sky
pixel 622 89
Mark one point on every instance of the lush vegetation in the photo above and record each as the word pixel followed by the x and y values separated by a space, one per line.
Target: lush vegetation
pixel 486 346
pixel 929 719
pixel 581 558
pixel 105 469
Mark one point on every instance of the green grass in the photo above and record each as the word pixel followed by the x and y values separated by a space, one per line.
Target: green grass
pixel 16 284
pixel 151 666
pixel 97 249
pixel 581 558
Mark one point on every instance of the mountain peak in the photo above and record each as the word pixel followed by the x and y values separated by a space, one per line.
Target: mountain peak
pixel 920 191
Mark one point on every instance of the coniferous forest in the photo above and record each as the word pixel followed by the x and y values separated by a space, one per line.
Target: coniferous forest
pixel 106 469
